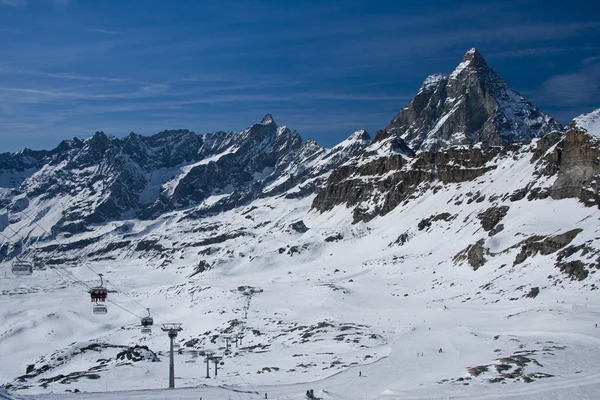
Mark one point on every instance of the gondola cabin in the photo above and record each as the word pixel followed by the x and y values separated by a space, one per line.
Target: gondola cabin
pixel 98 294
pixel 147 321
pixel 100 308
pixel 22 268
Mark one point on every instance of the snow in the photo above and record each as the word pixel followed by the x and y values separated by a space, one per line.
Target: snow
pixel 326 312
pixel 590 122
pixel 432 81
pixel 460 68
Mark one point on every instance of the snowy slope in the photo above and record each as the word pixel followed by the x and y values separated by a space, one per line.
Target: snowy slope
pixel 328 302
pixel 589 122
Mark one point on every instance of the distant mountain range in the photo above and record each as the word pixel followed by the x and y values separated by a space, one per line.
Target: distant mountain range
pixel 449 132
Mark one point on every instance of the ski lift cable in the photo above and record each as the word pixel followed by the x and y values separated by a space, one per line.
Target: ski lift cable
pixel 76 280
pixel 61 272
pixel 135 301
pixel 7 238
pixel 123 308
pixel 90 268
pixel 66 274
pixel 14 233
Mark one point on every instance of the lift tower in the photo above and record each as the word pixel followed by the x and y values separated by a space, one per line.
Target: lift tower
pixel 172 330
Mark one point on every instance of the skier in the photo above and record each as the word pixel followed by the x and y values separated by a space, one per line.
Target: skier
pixel 440 351
pixel 359 373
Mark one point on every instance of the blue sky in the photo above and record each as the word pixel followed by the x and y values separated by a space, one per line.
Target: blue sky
pixel 325 68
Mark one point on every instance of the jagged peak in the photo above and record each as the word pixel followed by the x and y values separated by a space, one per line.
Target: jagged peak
pixel 472 61
pixel 359 135
pixel 268 119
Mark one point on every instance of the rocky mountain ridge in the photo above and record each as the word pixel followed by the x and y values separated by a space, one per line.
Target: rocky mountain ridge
pixel 104 178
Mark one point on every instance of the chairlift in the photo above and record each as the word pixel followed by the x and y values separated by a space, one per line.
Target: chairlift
pixel 100 308
pixel 20 267
pixel 99 293
pixel 176 345
pixel 147 321
pixel 146 329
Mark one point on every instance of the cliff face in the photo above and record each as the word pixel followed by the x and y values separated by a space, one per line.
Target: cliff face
pixel 579 155
pixel 378 186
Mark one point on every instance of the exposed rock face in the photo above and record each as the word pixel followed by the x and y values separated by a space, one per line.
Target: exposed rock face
pixel 378 185
pixel 544 245
pixel 472 105
pixel 579 155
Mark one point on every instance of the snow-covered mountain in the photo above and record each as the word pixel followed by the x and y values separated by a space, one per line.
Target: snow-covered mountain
pixel 104 178
pixel 471 105
pixel 345 270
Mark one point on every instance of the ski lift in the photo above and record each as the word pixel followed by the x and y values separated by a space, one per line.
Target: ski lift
pixel 146 329
pixel 20 267
pixel 176 345
pixel 147 321
pixel 99 293
pixel 100 308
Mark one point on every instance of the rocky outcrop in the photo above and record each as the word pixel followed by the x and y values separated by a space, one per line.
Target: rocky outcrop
pixel 474 254
pixel 491 217
pixel 544 245
pixel 579 172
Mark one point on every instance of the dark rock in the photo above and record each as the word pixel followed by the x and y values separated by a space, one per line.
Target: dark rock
pixel 474 254
pixel 575 268
pixel 299 226
pixel 426 223
pixel 518 194
pixel 498 228
pixel 334 238
pixel 491 217
pixel 544 245
pixel 203 266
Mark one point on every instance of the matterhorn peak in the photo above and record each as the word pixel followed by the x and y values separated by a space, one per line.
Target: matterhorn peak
pixel 472 61
pixel 472 105
pixel 268 119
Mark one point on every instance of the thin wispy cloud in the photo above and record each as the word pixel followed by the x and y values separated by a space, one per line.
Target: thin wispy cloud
pixel 70 67
pixel 577 88
pixel 104 31
pixel 13 3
